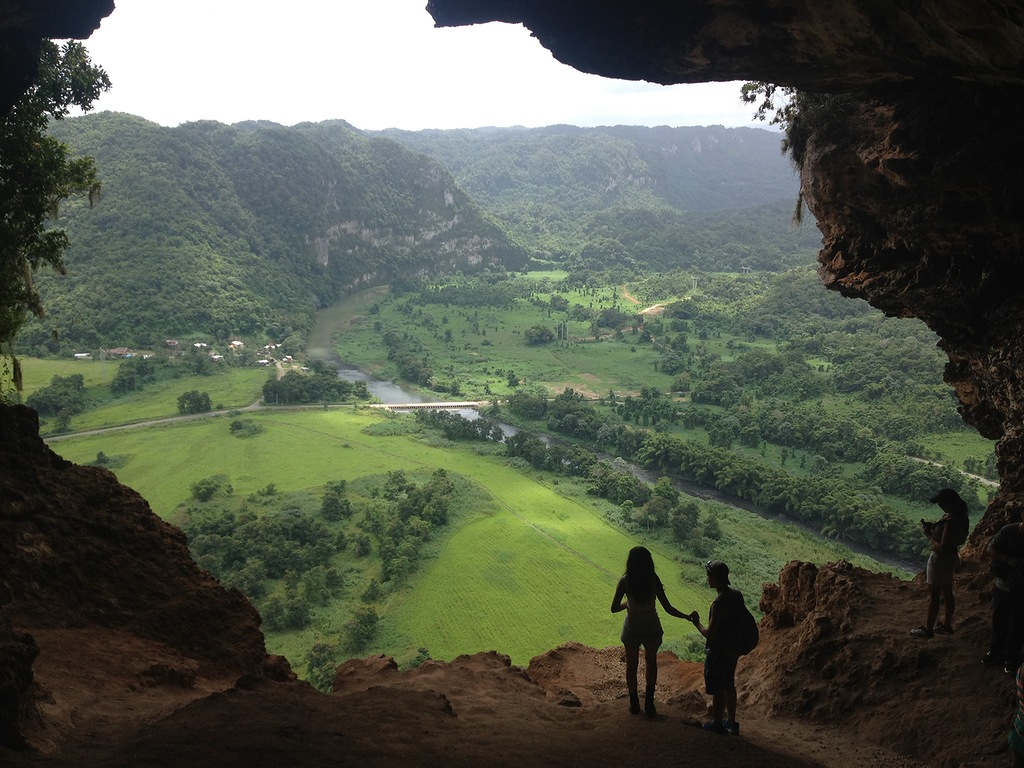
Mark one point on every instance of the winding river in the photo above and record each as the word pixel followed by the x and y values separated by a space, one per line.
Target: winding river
pixel 320 347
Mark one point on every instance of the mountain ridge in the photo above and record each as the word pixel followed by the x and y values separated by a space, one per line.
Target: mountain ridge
pixel 206 229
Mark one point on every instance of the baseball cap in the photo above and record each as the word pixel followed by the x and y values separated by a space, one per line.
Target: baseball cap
pixel 719 570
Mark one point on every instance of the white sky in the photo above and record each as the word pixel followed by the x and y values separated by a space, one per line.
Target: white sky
pixel 375 63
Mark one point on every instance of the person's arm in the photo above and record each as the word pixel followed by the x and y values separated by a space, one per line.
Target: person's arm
pixel 995 553
pixel 929 532
pixel 712 621
pixel 618 604
pixel 947 542
pixel 669 608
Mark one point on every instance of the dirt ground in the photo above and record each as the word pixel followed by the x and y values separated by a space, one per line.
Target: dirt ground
pixel 117 701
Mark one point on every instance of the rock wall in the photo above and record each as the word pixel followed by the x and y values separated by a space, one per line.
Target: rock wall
pixel 821 45
pixel 78 549
pixel 919 203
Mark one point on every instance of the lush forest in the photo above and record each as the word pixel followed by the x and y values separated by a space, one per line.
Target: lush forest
pixel 640 296
pixel 207 232
pixel 712 198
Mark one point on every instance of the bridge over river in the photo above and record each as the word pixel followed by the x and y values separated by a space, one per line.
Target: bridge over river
pixel 438 406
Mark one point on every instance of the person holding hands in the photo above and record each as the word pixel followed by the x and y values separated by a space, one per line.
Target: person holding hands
pixel 635 594
pixel 719 663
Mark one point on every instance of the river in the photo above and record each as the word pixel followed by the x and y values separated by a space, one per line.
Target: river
pixel 320 347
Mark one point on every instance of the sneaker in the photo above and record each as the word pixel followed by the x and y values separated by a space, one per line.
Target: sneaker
pixel 714 727
pixel 990 660
pixel 922 632
pixel 731 726
pixel 942 629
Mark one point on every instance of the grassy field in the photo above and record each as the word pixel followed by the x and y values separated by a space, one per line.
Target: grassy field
pixel 230 388
pixel 37 372
pixel 534 563
pixel 486 344
pixel 534 566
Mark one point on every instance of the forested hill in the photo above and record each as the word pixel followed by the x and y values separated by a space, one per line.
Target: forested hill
pixel 213 230
pixel 209 230
pixel 714 198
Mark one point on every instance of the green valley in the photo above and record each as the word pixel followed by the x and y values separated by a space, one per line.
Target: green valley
pixel 662 360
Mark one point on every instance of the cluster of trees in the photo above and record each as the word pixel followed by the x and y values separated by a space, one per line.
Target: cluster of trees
pixel 321 384
pixel 490 288
pixel 412 516
pixel 194 401
pixel 248 549
pixel 638 504
pixel 455 427
pixel 406 352
pixel 286 557
pixel 651 408
pixel 253 549
pixel 133 374
pixel 851 508
pixel 64 396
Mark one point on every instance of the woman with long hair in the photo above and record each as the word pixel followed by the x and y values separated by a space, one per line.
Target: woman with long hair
pixel 945 536
pixel 635 594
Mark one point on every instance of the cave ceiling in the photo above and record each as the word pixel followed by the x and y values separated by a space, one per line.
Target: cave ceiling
pixel 826 45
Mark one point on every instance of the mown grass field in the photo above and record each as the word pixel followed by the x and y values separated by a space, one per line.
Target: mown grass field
pixel 230 388
pixel 535 565
pixel 37 372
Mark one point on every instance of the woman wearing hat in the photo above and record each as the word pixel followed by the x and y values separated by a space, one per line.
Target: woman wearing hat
pixel 945 535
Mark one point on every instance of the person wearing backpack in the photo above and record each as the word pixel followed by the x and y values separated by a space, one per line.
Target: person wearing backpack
pixel 720 652
pixel 945 535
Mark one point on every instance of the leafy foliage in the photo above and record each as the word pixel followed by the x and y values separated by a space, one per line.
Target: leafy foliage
pixel 632 197
pixel 64 396
pixel 320 385
pixel 194 401
pixel 37 176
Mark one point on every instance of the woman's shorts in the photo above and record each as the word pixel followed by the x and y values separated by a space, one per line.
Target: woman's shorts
pixel 941 567
pixel 649 640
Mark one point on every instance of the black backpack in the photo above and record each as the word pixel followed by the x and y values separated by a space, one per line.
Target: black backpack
pixel 742 635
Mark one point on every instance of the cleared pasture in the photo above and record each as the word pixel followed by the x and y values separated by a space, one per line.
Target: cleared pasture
pixel 538 571
pixel 230 388
pixel 505 583
pixel 37 373
pixel 485 344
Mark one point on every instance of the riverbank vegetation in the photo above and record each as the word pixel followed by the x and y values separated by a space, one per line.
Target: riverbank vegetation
pixel 763 386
